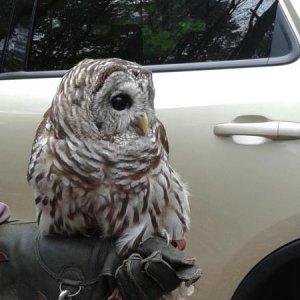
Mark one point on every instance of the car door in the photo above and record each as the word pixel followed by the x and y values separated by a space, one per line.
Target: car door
pixel 227 95
pixel 243 178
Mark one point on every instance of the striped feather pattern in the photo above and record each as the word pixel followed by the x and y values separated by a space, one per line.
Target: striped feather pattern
pixel 91 169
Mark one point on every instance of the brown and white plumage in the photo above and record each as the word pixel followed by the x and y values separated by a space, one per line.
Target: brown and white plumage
pixel 99 160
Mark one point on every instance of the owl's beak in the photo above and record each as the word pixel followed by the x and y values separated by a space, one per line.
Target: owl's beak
pixel 142 123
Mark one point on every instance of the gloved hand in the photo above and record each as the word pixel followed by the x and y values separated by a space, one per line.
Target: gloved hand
pixel 156 268
pixel 38 267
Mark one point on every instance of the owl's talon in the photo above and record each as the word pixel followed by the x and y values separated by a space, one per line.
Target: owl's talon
pixel 132 244
pixel 164 234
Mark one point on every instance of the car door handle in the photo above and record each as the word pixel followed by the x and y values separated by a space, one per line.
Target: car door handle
pixel 275 130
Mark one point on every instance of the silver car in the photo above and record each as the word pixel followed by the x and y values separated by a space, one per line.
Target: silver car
pixel 227 91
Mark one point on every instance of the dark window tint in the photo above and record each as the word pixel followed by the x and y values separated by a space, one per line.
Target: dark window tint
pixel 6 7
pixel 18 33
pixel 150 31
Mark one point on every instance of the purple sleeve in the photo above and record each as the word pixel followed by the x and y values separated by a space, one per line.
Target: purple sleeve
pixel 4 213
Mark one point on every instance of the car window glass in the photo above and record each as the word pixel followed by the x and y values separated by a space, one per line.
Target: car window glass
pixel 150 31
pixel 5 15
pixel 16 43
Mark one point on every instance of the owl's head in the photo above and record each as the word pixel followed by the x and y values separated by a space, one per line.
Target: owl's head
pixel 107 96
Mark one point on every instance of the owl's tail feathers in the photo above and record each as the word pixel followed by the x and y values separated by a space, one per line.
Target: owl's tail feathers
pixel 130 240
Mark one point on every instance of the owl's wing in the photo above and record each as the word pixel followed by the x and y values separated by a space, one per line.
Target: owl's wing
pixel 163 135
pixel 36 145
pixel 40 130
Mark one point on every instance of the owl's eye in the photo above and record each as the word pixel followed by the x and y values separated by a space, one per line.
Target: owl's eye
pixel 121 102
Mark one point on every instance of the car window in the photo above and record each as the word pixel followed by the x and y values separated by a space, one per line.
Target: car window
pixel 150 32
pixel 17 37
pixel 5 16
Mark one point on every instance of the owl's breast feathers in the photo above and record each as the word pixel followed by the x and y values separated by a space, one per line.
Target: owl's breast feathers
pixel 109 185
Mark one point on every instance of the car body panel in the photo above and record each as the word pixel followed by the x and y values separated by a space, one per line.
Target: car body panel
pixel 244 191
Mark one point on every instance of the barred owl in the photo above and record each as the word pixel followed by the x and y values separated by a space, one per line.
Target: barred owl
pixel 99 161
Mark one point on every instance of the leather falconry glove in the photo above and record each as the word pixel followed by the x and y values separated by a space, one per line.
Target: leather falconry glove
pixel 86 268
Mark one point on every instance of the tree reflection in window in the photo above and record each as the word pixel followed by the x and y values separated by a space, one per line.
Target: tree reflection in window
pixel 6 7
pixel 150 31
